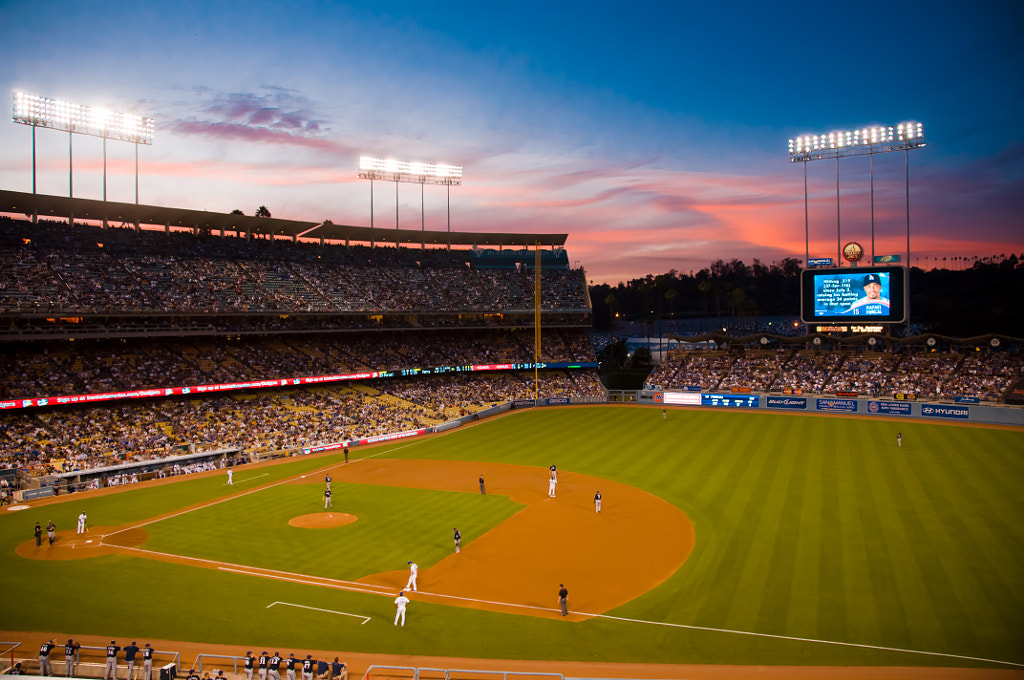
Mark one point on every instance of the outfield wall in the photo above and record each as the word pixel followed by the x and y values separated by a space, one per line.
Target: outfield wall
pixel 870 407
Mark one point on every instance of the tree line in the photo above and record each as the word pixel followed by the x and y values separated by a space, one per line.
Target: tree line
pixel 986 297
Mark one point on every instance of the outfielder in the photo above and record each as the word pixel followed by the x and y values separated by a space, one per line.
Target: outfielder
pixel 400 602
pixel 230 475
pixel 414 571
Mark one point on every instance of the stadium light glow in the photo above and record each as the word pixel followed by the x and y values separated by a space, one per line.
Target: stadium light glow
pixel 391 170
pixel 871 140
pixel 56 114
pixel 412 172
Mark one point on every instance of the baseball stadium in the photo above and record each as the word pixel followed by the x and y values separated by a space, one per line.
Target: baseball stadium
pixel 181 391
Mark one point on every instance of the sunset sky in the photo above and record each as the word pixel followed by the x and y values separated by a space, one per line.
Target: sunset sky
pixel 654 134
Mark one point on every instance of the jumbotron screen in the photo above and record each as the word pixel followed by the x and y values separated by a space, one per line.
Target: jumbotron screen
pixel 874 294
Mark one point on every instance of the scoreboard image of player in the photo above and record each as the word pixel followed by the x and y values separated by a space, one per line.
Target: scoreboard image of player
pixel 837 294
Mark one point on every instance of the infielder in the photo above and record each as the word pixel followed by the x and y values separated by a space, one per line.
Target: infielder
pixel 414 571
pixel 328 503
pixel 400 602
pixel 82 519
pixel 552 482
pixel 458 538
pixel 230 475
pixel 111 667
pixel 44 657
pixel 597 502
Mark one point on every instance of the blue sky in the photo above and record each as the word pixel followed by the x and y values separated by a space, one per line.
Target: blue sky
pixel 654 134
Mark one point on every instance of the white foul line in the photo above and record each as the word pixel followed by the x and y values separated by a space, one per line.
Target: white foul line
pixel 317 609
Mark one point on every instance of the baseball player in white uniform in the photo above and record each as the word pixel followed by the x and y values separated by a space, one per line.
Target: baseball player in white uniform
pixel 413 573
pixel 400 602
pixel 230 475
pixel 82 519
pixel 552 482
pixel 597 502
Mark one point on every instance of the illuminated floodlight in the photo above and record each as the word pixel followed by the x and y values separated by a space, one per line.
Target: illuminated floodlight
pixel 869 140
pixel 391 170
pixel 56 114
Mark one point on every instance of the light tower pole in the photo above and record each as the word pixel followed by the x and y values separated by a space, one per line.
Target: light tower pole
pixel 29 109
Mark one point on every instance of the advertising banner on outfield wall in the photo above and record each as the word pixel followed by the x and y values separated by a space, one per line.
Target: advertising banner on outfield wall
pixel 787 402
pixel 936 411
pixel 687 398
pixel 889 408
pixel 840 405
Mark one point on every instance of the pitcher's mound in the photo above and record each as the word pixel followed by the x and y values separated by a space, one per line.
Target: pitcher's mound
pixel 322 520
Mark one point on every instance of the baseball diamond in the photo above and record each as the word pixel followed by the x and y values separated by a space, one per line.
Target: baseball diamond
pixel 724 538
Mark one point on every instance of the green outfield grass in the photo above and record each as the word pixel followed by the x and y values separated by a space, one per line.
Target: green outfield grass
pixel 808 528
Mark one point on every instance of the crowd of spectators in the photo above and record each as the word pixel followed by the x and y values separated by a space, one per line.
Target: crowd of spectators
pixel 83 269
pixel 81 438
pixel 41 369
pixel 933 375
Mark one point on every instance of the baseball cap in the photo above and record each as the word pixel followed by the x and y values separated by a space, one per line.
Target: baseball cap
pixel 872 278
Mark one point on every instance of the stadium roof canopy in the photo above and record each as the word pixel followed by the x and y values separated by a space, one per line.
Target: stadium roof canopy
pixel 45 206
pixel 339 232
pixel 87 209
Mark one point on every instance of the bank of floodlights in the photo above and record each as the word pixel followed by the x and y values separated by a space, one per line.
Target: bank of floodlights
pixel 391 170
pixel 56 114
pixel 76 119
pixel 840 144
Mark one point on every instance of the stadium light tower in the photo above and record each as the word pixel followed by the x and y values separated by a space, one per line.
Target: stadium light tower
pixel 55 114
pixel 413 173
pixel 863 142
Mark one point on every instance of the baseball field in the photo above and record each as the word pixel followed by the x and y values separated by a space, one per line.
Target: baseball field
pixel 760 539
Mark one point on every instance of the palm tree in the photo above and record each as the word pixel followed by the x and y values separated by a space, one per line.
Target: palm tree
pixel 671 294
pixel 262 211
